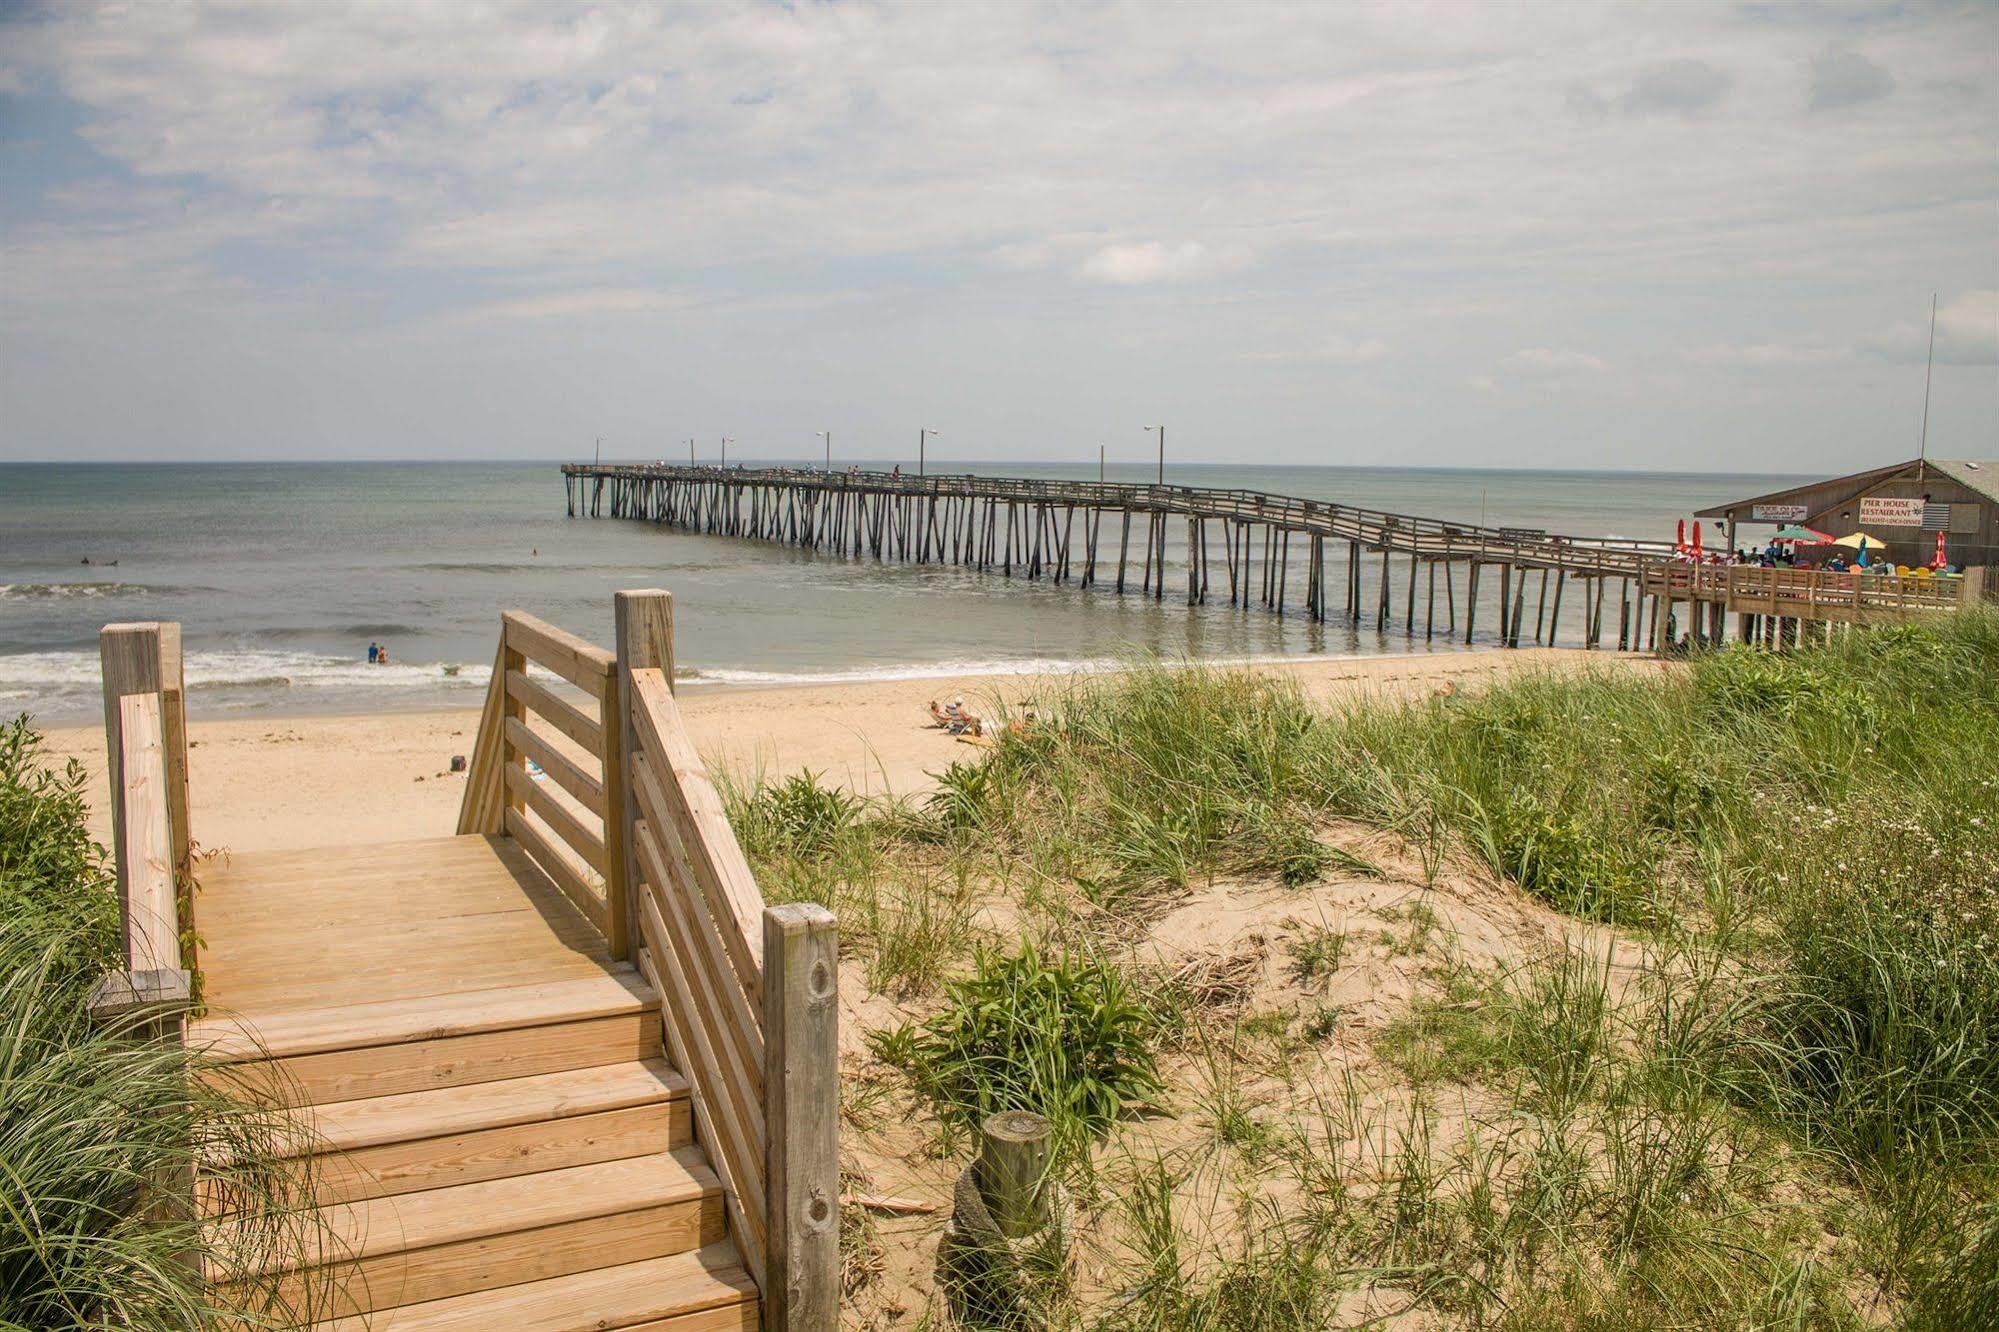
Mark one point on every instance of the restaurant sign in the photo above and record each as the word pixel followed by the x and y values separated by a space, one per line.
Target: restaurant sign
pixel 1883 511
pixel 1778 513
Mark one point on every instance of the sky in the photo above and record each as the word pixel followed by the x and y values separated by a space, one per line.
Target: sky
pixel 1665 237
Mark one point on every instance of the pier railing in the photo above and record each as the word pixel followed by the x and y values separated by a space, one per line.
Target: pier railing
pixel 748 992
pixel 1750 588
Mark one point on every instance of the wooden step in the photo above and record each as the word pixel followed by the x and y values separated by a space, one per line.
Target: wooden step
pixel 417 1247
pixel 489 1130
pixel 615 992
pixel 704 1291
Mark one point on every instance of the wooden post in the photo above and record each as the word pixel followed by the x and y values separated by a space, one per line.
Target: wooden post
pixel 141 659
pixel 801 1118
pixel 1013 1168
pixel 644 628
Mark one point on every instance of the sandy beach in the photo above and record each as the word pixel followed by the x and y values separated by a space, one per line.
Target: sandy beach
pixel 265 782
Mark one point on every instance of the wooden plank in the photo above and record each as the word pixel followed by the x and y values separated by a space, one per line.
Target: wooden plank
pixel 704 829
pixel 475 1155
pixel 564 771
pixel 802 1118
pixel 479 810
pixel 576 660
pixel 411 1116
pixel 683 1286
pixel 464 1266
pixel 678 867
pixel 558 711
pixel 173 717
pixel 554 860
pixel 738 1061
pixel 145 847
pixel 670 892
pixel 585 841
pixel 129 660
pixel 384 1070
pixel 737 1150
pixel 352 1026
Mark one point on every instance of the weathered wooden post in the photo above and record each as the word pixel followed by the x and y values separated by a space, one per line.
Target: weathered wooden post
pixel 801 1118
pixel 1012 1172
pixel 153 982
pixel 1005 1238
pixel 145 660
pixel 644 641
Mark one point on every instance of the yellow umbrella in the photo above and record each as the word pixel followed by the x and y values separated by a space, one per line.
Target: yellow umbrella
pixel 1854 540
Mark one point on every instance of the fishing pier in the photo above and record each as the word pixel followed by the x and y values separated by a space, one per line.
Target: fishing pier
pixel 1282 553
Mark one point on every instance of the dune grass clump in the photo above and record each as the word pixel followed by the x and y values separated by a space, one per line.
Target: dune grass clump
pixel 1062 1036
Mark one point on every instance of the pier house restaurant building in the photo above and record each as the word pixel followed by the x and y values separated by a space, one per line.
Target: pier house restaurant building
pixel 1903 507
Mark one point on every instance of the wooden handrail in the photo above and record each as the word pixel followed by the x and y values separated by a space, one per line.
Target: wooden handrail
pixel 748 993
pixel 570 835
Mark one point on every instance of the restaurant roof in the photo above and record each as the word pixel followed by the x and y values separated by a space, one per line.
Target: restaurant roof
pixel 1977 474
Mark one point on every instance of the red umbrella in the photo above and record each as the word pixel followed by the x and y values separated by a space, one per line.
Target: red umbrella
pixel 1680 538
pixel 1941 561
pixel 1697 543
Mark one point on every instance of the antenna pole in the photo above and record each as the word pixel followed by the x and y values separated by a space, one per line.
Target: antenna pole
pixel 1929 368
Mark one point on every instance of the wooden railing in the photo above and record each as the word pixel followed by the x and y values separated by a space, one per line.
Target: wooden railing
pixel 1744 586
pixel 563 822
pixel 145 731
pixel 748 992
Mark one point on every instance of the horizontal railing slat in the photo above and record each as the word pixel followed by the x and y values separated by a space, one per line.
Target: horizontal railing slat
pixel 695 808
pixel 576 660
pixel 586 842
pixel 740 1151
pixel 554 860
pixel 566 772
pixel 558 711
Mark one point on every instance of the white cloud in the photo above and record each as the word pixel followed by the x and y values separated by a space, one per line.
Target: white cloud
pixel 1554 361
pixel 1967 333
pixel 1158 261
pixel 1335 350
pixel 585 301
pixel 1763 354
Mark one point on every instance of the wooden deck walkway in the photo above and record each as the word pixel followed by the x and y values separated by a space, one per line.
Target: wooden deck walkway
pixel 561 1071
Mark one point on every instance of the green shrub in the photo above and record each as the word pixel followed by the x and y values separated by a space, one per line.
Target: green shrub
pixel 50 870
pixel 102 1125
pixel 1061 1036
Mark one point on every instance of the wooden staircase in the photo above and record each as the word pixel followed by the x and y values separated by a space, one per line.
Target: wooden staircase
pixel 564 1070
pixel 519 1157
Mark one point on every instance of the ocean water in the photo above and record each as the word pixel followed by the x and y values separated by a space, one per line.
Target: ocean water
pixel 281 574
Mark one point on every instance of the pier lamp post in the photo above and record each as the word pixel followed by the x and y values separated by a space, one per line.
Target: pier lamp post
pixel 1162 451
pixel 922 436
pixel 827 435
pixel 725 450
pixel 690 452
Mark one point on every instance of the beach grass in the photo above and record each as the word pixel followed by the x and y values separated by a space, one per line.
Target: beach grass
pixel 1746 1074
pixel 105 1129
